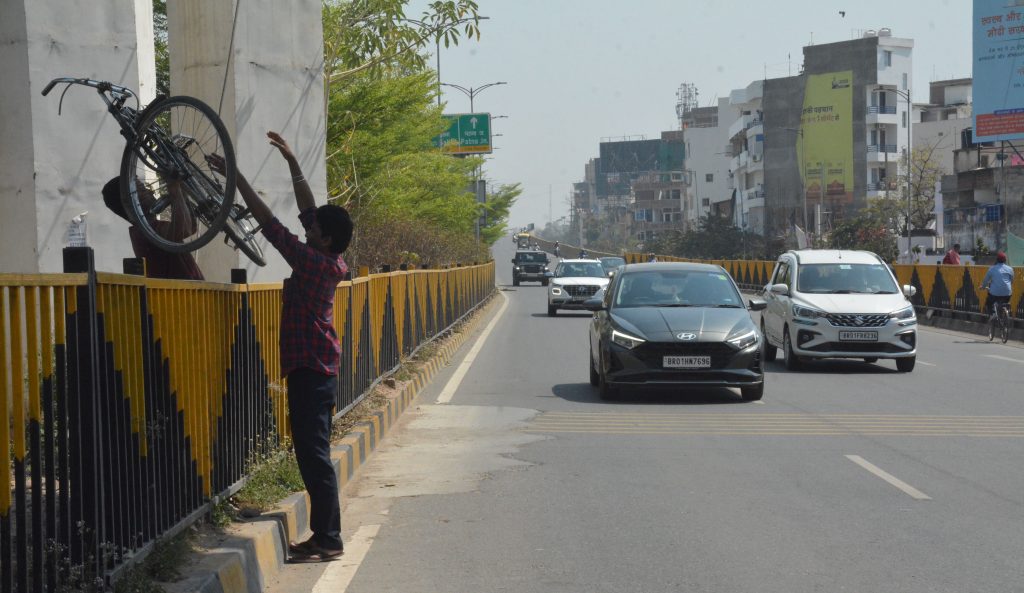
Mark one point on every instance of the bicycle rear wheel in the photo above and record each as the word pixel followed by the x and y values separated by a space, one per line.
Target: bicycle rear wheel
pixel 175 137
pixel 241 231
pixel 1004 329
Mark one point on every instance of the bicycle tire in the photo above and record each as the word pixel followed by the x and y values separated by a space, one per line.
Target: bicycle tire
pixel 991 329
pixel 173 138
pixel 244 239
pixel 1004 330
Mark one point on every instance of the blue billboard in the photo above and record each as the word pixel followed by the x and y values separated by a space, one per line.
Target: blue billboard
pixel 998 69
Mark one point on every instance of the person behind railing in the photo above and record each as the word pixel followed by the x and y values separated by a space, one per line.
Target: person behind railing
pixel 557 251
pixel 310 351
pixel 159 263
pixel 952 256
pixel 998 282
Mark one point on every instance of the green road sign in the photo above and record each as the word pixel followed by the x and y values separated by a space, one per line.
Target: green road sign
pixel 469 133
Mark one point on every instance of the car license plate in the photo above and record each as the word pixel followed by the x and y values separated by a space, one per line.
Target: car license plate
pixel 687 362
pixel 858 336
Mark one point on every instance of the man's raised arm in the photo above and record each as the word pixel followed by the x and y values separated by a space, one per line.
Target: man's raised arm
pixel 303 194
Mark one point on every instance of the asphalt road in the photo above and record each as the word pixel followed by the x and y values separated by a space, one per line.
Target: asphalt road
pixel 846 477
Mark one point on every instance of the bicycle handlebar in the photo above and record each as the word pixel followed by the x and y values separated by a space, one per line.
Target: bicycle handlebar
pixel 100 85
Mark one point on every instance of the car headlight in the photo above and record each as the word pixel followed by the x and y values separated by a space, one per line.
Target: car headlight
pixel 516 268
pixel 807 312
pixel 626 340
pixel 903 314
pixel 744 340
pixel 556 290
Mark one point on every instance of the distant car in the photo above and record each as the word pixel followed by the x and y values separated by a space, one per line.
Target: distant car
pixel 610 263
pixel 674 324
pixel 838 304
pixel 574 281
pixel 530 266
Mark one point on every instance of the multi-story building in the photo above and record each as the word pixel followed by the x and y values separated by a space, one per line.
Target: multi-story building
pixel 640 187
pixel 834 133
pixel 746 145
pixel 707 163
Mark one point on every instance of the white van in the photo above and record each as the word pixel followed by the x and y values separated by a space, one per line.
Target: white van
pixel 838 304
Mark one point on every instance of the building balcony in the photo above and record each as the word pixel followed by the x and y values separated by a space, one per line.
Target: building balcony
pixel 882 152
pixel 740 125
pixel 756 162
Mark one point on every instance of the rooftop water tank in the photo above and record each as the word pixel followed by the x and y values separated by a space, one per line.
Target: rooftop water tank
pixel 885 32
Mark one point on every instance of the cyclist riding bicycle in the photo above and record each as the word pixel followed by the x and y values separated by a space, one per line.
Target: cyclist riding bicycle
pixel 999 284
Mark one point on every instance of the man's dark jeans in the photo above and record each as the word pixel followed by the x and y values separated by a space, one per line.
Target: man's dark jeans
pixel 310 407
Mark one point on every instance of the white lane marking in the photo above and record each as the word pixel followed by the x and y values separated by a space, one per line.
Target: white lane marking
pixel 997 357
pixel 906 488
pixel 460 373
pixel 927 364
pixel 339 573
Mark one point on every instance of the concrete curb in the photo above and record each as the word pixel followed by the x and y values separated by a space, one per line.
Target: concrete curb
pixel 254 552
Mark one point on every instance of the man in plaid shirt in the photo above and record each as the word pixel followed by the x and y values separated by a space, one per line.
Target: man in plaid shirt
pixel 310 351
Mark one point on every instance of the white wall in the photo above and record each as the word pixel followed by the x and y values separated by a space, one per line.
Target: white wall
pixel 274 83
pixel 944 134
pixel 703 156
pixel 61 163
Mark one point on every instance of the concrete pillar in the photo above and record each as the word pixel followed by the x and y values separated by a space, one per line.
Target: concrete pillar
pixel 274 81
pixel 52 168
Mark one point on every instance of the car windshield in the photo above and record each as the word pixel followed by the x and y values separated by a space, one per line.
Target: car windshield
pixel 677 288
pixel 610 263
pixel 580 269
pixel 531 258
pixel 845 279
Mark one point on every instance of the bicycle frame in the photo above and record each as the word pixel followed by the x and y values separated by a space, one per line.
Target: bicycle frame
pixel 127 118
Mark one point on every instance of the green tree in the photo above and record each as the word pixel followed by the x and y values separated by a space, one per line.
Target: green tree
pixel 869 231
pixel 163 56
pixel 496 210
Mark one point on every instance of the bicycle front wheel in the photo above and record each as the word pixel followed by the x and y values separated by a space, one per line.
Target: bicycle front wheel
pixel 169 190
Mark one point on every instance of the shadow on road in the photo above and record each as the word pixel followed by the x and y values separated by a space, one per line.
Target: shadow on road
pixel 566 314
pixel 690 396
pixel 834 367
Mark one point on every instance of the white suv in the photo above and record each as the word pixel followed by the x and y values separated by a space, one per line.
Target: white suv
pixel 838 304
pixel 574 281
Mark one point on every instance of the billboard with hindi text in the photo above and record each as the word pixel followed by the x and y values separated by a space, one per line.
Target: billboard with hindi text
pixel 826 149
pixel 998 31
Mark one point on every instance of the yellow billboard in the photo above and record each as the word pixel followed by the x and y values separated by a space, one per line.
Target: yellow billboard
pixel 826 146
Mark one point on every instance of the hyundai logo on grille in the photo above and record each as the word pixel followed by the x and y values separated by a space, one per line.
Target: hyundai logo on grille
pixel 686 336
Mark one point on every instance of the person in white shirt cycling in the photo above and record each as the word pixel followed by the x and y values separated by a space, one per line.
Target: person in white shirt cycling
pixel 998 282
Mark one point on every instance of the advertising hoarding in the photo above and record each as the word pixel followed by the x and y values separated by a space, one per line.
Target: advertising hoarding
pixel 826 149
pixel 998 31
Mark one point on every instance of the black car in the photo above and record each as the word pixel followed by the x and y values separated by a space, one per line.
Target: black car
pixel 530 266
pixel 611 262
pixel 660 324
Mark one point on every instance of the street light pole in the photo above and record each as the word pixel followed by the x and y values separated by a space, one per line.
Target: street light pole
pixel 437 42
pixel 472 92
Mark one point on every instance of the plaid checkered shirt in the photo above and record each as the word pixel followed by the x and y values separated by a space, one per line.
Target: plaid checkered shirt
pixel 308 338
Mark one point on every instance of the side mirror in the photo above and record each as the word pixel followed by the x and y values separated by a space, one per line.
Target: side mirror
pixel 593 304
pixel 549 274
pixel 513 260
pixel 757 305
pixel 909 291
pixel 780 289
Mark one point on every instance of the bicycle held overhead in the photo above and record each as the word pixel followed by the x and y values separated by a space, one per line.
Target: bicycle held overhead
pixel 168 143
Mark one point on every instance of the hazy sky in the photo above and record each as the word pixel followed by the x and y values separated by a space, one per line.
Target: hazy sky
pixel 579 71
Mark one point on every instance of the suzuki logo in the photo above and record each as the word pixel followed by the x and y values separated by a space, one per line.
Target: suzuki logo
pixel 858 320
pixel 686 336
